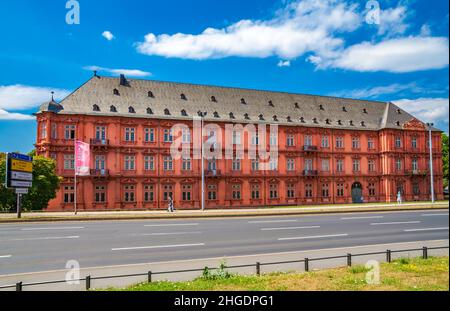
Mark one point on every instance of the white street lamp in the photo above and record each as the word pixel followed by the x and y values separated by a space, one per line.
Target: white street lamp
pixel 430 145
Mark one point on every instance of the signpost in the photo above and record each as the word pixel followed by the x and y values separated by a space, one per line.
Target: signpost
pixel 19 176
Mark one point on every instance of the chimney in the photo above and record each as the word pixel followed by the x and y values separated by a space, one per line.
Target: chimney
pixel 123 80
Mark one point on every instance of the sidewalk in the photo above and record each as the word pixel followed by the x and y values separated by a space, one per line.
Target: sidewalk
pixel 180 214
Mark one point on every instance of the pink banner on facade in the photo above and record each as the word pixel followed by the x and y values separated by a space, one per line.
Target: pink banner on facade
pixel 82 158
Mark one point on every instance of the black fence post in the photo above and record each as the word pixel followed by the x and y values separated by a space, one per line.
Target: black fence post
pixel 19 287
pixel 88 282
pixel 306 264
pixel 388 255
pixel 258 268
pixel 349 259
pixel 425 252
pixel 149 276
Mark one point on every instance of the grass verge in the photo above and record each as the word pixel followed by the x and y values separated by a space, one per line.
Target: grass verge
pixel 404 274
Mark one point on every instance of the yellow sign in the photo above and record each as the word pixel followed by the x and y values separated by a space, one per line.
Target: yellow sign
pixel 22 166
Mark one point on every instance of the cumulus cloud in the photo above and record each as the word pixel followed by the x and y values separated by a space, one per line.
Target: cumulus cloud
pixel 302 27
pixel 127 72
pixel 426 109
pixel 5 115
pixel 284 63
pixel 108 35
pixel 394 55
pixel 392 21
pixel 20 97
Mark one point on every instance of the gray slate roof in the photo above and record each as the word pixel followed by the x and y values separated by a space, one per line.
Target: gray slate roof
pixel 99 91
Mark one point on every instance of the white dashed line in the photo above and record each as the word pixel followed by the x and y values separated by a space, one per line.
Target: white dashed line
pixel 428 215
pixel 55 228
pixel 172 225
pixel 313 237
pixel 395 223
pixel 289 228
pixel 361 217
pixel 156 246
pixel 47 238
pixel 426 229
pixel 170 233
pixel 5 256
pixel 271 221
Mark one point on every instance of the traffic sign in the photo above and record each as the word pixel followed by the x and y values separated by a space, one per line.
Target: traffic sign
pixel 22 176
pixel 19 171
pixel 21 190
pixel 21 184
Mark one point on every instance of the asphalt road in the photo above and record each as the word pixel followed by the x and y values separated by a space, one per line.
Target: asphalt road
pixel 36 247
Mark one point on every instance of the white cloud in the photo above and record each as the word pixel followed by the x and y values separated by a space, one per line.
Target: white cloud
pixel 108 35
pixel 395 55
pixel 425 30
pixel 395 88
pixel 5 115
pixel 19 97
pixel 284 63
pixel 426 109
pixel 302 27
pixel 392 21
pixel 127 72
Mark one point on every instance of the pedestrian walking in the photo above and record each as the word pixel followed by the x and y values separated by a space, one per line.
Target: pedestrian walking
pixel 399 198
pixel 170 204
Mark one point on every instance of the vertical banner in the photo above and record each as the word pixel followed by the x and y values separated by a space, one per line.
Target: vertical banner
pixel 82 158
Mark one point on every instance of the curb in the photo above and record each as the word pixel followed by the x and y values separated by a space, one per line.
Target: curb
pixel 225 215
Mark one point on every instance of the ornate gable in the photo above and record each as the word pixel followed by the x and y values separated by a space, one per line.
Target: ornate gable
pixel 414 124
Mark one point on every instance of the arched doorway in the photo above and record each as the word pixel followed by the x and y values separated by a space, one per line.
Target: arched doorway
pixel 357 192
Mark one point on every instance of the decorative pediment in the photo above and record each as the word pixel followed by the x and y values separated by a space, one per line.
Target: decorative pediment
pixel 149 181
pixel 255 181
pixel 414 124
pixel 128 181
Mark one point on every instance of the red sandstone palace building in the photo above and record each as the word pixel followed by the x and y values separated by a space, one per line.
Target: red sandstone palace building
pixel 331 150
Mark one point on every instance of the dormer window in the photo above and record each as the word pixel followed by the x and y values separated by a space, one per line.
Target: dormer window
pixel 397 123
pixel 183 97
pixel 364 110
pixel 275 118
pixel 184 113
pixel 216 114
pixel 399 111
pixel 246 117
pixel 327 121
pixel 95 108
pixel 112 109
pixel 288 118
pixel 116 92
pixel 131 110
pixel 344 109
pixel 339 122
pixel 150 94
pixel 149 111
pixel 302 119
pixel 232 115
pixel 363 123
pixel 351 122
pixel 315 120
pixel 243 101
pixel 166 112
pixel 271 103
pixel 296 105
pixel 321 107
pixel 261 117
pixel 213 99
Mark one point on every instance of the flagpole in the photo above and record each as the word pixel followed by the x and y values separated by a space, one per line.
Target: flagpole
pixel 75 179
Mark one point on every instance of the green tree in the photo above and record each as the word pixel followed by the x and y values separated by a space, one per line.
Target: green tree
pixel 445 157
pixel 45 184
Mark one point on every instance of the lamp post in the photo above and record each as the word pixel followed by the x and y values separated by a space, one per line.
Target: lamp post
pixel 430 145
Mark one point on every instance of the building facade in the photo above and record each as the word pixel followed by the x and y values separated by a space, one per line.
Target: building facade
pixel 330 150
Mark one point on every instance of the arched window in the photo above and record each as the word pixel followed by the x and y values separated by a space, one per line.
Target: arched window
pixel 112 109
pixel 95 108
pixel 131 110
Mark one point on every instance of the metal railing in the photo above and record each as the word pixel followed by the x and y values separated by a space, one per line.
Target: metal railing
pixel 258 267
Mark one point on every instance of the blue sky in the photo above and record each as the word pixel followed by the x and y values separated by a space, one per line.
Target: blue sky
pixel 398 53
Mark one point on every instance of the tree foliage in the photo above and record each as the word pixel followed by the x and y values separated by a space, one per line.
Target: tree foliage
pixel 45 184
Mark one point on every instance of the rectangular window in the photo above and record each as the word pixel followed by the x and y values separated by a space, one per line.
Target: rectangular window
pixel 325 190
pixel 129 193
pixel 236 192
pixel 185 136
pixel 356 165
pixel 290 191
pixel 212 165
pixel 69 162
pixel 168 138
pixel 340 189
pixel 308 191
pixel 290 140
pixel 186 164
pixel 372 189
pixel 69 194
pixel 129 134
pixel 54 131
pixel 236 137
pixel 100 194
pixel 308 164
pixel 273 191
pixel 149 193
pixel 69 132
pixel 255 191
pixel 372 167
pixel 290 164
pixel 273 139
pixel 370 143
pixel 100 133
pixel 255 139
pixel 212 192
pixel 149 163
pixel 340 165
pixel 398 164
pixel 416 188
pixel 255 165
pixel 398 142
pixel 168 163
pixel 308 140
pixel 414 164
pixel 414 142
pixel 100 162
pixel 325 165
pixel 325 142
pixel 355 143
pixel 273 164
pixel 44 130
pixel 149 135
pixel 186 192
pixel 168 192
pixel 129 163
pixel 236 165
pixel 339 142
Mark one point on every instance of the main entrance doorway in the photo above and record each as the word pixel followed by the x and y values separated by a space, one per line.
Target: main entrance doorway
pixel 357 193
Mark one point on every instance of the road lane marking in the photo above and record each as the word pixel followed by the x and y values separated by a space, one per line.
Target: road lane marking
pixel 47 238
pixel 289 228
pixel 55 228
pixel 156 246
pixel 361 217
pixel 313 237
pixel 394 223
pixel 5 256
pixel 428 215
pixel 269 221
pixel 171 225
pixel 426 229
pixel 170 233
